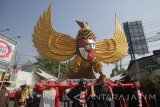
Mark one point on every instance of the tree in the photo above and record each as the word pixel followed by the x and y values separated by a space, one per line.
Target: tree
pixel 151 86
pixel 116 71
pixel 51 67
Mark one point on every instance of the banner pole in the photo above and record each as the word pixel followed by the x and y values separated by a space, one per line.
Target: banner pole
pixel 2 79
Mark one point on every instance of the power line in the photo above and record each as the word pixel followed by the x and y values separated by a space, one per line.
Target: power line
pixel 148 35
pixel 146 23
pixel 152 27
pixel 112 32
pixel 151 23
pixel 152 20
pixel 153 32
pixel 146 27
pixel 154 45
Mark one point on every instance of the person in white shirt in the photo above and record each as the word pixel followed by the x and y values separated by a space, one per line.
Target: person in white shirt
pixel 50 96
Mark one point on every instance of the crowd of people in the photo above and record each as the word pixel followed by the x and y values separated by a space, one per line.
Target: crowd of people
pixel 21 97
pixel 83 94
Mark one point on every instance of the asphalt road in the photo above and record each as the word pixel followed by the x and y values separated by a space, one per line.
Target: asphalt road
pixel 11 104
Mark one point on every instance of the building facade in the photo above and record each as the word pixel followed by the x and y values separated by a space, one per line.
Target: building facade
pixel 142 68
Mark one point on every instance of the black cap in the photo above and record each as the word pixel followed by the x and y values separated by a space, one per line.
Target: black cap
pixel 23 86
pixel 83 81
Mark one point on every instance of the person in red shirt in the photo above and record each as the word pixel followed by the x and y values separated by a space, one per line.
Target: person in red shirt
pixel 102 81
pixel 103 93
pixel 40 87
pixel 137 98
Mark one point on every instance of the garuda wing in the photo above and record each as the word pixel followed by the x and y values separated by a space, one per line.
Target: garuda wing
pixel 112 50
pixel 51 44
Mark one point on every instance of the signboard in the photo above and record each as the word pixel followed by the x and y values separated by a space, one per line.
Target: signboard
pixel 3 66
pixel 136 38
pixel 7 49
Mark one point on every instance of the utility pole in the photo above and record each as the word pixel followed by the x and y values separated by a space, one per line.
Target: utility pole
pixel 59 70
pixel 130 43
pixel 120 65
pixel 116 67
pixel 2 79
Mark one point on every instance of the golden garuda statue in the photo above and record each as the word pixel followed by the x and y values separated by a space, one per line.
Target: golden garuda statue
pixel 86 54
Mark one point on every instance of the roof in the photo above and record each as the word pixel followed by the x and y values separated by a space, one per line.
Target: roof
pixel 45 75
pixel 133 61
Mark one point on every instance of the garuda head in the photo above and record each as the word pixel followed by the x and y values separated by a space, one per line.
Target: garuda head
pixel 85 32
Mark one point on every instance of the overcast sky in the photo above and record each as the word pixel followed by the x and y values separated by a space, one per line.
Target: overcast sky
pixel 20 16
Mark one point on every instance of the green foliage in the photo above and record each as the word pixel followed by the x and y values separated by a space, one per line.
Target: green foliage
pixel 117 71
pixel 151 85
pixel 51 67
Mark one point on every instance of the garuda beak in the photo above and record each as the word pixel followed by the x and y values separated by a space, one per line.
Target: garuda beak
pixel 83 24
